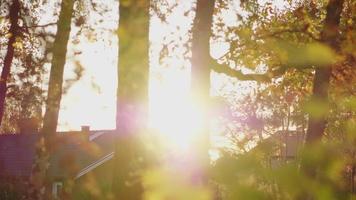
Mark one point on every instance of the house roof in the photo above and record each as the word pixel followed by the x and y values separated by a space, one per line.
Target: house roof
pixel 74 152
pixel 17 154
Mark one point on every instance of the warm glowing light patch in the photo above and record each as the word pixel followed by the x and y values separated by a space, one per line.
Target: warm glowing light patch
pixel 173 115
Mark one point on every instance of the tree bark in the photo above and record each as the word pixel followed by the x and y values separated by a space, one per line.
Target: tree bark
pixel 329 36
pixel 54 94
pixel 15 32
pixel 39 175
pixel 317 125
pixel 200 77
pixel 132 96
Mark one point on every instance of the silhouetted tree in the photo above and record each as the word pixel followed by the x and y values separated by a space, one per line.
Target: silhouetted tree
pixel 14 33
pixel 39 177
pixel 57 69
pixel 200 75
pixel 330 37
pixel 132 96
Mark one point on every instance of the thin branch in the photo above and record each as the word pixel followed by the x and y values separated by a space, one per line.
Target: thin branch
pixel 42 25
pixel 227 70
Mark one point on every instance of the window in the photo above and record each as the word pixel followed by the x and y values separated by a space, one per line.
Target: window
pixel 57 189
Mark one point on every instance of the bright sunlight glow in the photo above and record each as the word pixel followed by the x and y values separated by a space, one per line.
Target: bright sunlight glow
pixel 173 114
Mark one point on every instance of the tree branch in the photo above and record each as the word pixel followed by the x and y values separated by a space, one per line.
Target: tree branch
pixel 42 25
pixel 227 70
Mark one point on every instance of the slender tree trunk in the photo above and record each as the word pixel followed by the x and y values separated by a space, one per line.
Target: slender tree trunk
pixel 316 126
pixel 39 178
pixel 329 36
pixel 200 76
pixel 132 96
pixel 14 31
pixel 56 75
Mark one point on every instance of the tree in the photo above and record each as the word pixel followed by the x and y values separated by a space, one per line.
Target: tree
pixel 56 74
pixel 22 93
pixel 45 146
pixel 132 97
pixel 303 49
pixel 14 34
pixel 200 75
pixel 255 42
pixel 330 37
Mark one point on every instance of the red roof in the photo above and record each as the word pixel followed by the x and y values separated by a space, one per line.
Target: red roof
pixel 17 154
pixel 74 152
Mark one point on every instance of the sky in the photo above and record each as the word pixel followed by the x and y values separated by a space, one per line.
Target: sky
pixel 92 99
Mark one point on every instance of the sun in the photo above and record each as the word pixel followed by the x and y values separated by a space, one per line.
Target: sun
pixel 177 123
pixel 173 114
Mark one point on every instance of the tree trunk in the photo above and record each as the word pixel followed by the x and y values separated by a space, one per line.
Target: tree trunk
pixel 316 126
pixel 54 94
pixel 329 36
pixel 132 96
pixel 39 177
pixel 14 31
pixel 200 77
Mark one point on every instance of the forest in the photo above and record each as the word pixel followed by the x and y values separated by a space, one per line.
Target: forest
pixel 204 99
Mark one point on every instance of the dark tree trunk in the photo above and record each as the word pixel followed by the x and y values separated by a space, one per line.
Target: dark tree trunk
pixel 39 174
pixel 14 31
pixel 200 76
pixel 316 126
pixel 329 36
pixel 132 96
pixel 54 94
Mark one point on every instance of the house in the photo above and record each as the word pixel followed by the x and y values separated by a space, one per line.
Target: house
pixel 81 161
pixel 287 147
